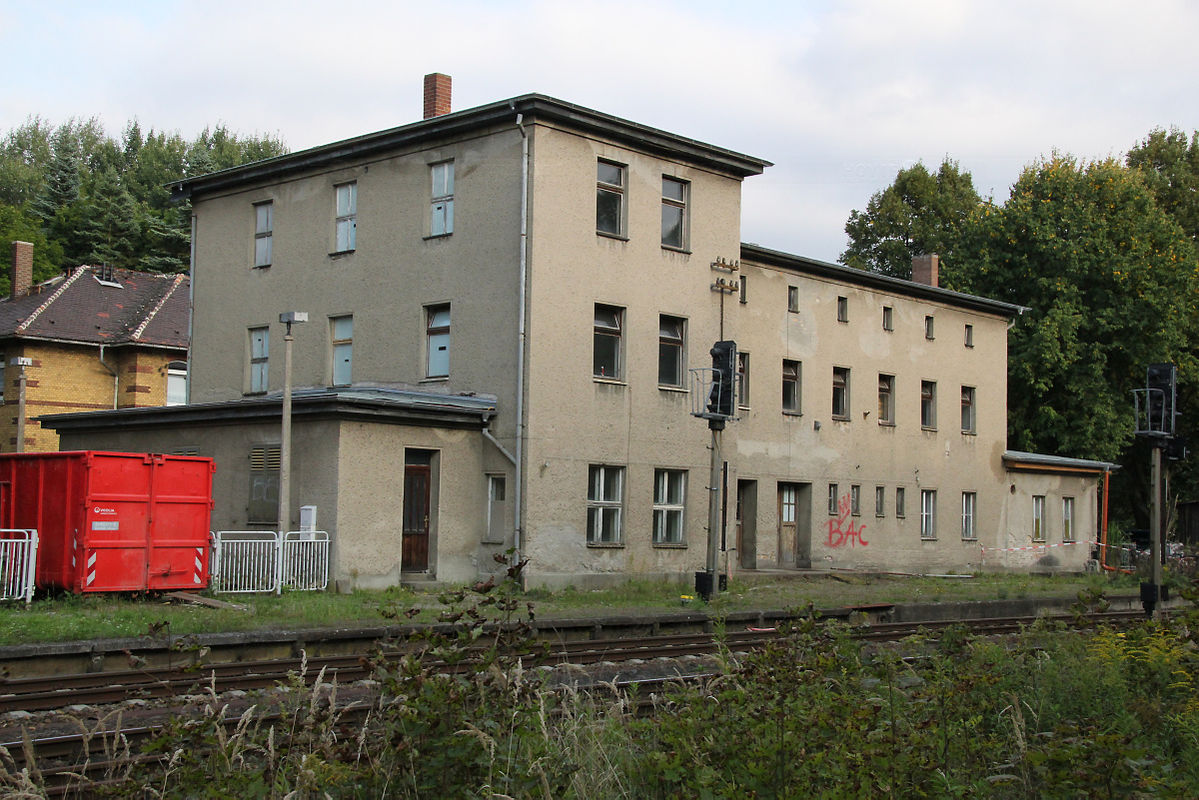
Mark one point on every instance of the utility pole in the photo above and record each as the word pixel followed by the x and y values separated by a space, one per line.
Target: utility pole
pixel 287 318
pixel 21 362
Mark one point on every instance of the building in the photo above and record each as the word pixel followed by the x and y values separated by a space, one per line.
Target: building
pixel 94 338
pixel 505 304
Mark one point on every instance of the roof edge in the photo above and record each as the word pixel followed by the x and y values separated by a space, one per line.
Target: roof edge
pixel 873 280
pixel 1040 462
pixel 530 106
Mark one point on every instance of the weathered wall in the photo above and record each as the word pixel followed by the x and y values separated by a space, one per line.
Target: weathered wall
pixel 575 419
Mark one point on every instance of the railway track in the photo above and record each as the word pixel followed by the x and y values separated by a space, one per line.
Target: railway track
pixel 95 754
pixel 89 689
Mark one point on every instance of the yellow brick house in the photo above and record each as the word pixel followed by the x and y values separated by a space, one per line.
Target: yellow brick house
pixel 93 338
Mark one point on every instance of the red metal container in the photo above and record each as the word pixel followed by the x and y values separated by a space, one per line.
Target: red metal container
pixel 112 522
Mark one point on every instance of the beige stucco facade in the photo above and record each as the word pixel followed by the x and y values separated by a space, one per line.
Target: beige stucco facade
pixel 535 458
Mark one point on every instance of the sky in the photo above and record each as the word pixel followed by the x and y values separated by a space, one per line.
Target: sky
pixel 838 95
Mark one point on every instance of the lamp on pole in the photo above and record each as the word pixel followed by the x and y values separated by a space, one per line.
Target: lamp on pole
pixel 21 362
pixel 288 318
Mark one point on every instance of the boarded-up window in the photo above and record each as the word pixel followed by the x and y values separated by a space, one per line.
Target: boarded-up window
pixel 264 484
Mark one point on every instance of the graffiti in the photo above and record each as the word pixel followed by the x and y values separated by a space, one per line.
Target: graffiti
pixel 838 534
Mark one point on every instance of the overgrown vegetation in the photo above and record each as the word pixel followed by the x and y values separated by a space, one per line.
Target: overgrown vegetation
pixel 68 617
pixel 1054 712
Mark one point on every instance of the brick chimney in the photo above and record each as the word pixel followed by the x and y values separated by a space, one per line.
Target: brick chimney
pixel 437 94
pixel 925 269
pixel 22 269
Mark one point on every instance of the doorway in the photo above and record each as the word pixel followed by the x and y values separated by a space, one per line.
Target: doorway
pixel 795 525
pixel 418 482
pixel 747 524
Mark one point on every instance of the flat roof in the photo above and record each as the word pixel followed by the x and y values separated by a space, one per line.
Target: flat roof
pixel 378 404
pixel 1040 462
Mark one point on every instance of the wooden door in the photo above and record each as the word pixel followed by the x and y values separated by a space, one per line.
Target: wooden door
pixel 747 524
pixel 415 550
pixel 788 507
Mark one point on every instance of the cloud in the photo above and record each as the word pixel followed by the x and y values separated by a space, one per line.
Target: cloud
pixel 840 95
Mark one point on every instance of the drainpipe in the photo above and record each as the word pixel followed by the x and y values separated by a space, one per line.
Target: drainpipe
pixel 191 304
pixel 115 377
pixel 489 437
pixel 518 511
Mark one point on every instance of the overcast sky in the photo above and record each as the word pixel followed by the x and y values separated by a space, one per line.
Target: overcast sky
pixel 839 95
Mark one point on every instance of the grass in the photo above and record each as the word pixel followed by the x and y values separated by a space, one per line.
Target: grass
pixel 71 617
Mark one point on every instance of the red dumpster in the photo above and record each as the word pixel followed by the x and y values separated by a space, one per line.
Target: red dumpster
pixel 112 522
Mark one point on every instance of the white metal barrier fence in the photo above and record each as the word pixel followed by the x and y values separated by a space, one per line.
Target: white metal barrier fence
pixel 265 561
pixel 305 562
pixel 18 562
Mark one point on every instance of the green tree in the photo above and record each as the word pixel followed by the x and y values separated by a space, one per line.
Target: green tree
pixel 1169 163
pixel 113 227
pixel 99 199
pixel 17 225
pixel 921 212
pixel 1110 281
pixel 25 153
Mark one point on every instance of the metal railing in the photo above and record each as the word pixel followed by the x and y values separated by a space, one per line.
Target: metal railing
pixel 266 561
pixel 305 562
pixel 18 563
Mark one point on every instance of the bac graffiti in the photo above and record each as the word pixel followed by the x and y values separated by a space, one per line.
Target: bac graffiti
pixel 838 534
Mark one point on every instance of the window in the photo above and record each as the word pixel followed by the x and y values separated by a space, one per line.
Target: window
pixel 928 327
pixel 670 351
pixel 967 409
pixel 176 383
pixel 263 507
pixel 788 503
pixel 606 354
pixel 900 500
pixel 744 289
pixel 497 508
pixel 264 227
pixel 793 299
pixel 969 335
pixel 342 336
pixel 842 309
pixel 605 500
pixel 3 361
pixel 886 399
pixel 442 217
pixel 791 386
pixel 928 514
pixel 855 500
pixel 609 198
pixel 743 380
pixel 674 212
pixel 888 318
pixel 841 392
pixel 928 405
pixel 969 502
pixel 880 501
pixel 347 217
pixel 1067 519
pixel 437 331
pixel 260 348
pixel 1038 518
pixel 670 487
pixel 833 493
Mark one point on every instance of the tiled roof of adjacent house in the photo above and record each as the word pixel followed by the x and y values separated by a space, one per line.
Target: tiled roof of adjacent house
pixel 99 305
